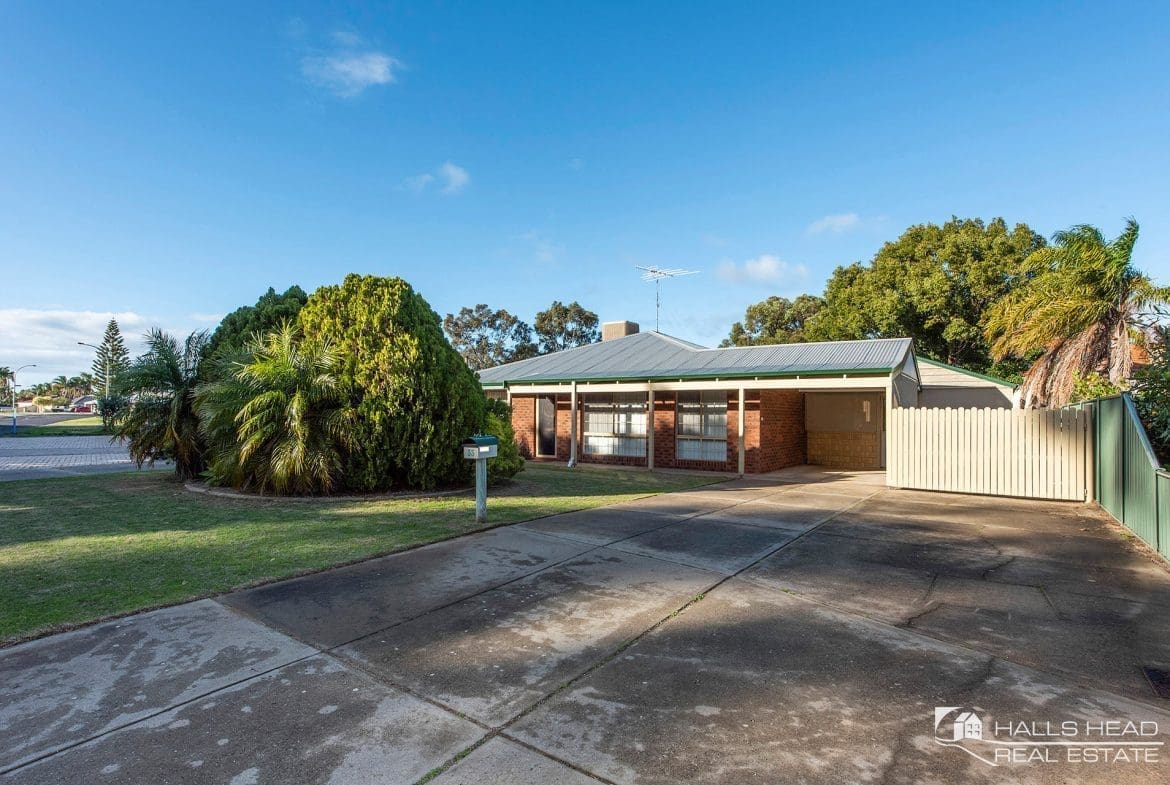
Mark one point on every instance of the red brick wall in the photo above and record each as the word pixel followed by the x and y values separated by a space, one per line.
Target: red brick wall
pixel 774 433
pixel 779 438
pixel 664 430
pixel 524 424
pixel 564 420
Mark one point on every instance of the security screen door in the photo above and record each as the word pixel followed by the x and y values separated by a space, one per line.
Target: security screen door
pixel 546 426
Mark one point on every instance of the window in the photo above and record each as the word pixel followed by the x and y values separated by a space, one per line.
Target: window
pixel 615 424
pixel 702 426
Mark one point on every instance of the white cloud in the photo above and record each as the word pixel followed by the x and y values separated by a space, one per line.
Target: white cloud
pixel 456 178
pixel 346 38
pixel 348 73
pixel 450 178
pixel 419 183
pixel 835 224
pixel 543 249
pixel 48 338
pixel 762 269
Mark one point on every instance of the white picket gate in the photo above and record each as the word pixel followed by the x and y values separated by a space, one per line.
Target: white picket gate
pixel 1036 453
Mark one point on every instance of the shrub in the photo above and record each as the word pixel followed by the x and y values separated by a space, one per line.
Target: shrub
pixel 1092 385
pixel 51 401
pixel 1151 395
pixel 507 461
pixel 499 408
pixel 411 397
pixel 274 420
pixel 161 423
pixel 241 326
pixel 111 408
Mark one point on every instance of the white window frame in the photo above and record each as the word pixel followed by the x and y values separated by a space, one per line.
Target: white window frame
pixel 615 424
pixel 711 435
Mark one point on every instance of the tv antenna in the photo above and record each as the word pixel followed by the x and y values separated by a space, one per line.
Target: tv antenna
pixel 656 274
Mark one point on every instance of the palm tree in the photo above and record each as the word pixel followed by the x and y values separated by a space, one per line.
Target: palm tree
pixel 275 421
pixel 161 423
pixel 1080 304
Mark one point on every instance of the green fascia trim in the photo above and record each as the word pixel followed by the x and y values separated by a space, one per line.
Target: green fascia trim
pixel 968 372
pixel 696 377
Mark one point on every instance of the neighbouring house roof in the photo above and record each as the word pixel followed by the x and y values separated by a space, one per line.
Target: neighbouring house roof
pixel 939 374
pixel 653 356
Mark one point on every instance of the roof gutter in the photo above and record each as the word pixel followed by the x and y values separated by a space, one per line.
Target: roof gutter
pixel 695 377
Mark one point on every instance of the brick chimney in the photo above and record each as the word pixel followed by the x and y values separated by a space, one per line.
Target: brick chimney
pixel 611 330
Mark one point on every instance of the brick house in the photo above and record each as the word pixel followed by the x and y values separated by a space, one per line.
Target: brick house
pixel 648 399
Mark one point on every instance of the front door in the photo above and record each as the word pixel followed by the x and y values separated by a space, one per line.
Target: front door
pixel 546 426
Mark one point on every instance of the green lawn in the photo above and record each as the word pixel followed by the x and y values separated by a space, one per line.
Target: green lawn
pixel 78 549
pixel 75 426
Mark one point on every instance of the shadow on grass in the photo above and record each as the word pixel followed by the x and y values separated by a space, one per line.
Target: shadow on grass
pixel 76 549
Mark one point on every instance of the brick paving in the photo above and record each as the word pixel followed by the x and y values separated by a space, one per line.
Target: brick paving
pixel 39 457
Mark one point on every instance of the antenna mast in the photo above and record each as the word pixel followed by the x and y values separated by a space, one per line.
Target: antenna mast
pixel 656 274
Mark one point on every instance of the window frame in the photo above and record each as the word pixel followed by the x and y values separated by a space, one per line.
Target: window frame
pixel 622 410
pixel 708 402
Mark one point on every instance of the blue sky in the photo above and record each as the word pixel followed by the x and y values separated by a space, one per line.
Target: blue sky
pixel 167 164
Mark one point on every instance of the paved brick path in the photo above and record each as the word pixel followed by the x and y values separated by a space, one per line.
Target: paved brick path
pixel 37 457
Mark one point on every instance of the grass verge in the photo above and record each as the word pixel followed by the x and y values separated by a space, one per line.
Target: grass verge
pixel 79 549
pixel 75 426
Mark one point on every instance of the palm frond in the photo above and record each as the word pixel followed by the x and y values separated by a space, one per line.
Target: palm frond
pixel 290 431
pixel 1077 308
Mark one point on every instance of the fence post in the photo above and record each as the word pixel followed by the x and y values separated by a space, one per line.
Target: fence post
pixel 1124 459
pixel 1091 453
pixel 1099 414
pixel 1157 514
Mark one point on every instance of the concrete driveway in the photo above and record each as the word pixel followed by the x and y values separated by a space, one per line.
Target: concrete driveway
pixel 796 628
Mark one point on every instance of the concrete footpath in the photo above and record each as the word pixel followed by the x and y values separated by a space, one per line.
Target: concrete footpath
pixel 803 627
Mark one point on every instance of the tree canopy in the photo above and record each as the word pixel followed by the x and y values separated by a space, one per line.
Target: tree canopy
pixel 1080 302
pixel 563 326
pixel 775 320
pixel 934 284
pixel 487 338
pixel 271 311
pixel 1151 392
pixel 410 396
pixel 112 359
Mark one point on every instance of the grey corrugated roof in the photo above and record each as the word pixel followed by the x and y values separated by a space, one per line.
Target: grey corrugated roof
pixel 656 356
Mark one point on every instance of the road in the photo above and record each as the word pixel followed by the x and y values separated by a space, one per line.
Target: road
pixel 40 457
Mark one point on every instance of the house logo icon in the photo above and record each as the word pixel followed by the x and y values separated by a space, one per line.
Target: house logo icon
pixel 952 726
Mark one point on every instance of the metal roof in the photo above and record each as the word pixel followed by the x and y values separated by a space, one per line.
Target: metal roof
pixel 650 355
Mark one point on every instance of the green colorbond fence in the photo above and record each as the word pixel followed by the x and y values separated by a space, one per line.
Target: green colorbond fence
pixel 1130 483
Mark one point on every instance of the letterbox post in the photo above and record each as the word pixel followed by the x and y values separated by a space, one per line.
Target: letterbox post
pixel 481 490
pixel 479 448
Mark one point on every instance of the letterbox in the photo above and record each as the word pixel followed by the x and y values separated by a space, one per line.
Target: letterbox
pixel 479 446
